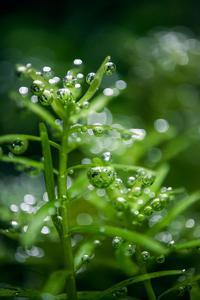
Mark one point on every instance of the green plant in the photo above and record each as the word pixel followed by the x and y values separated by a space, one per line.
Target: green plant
pixel 130 205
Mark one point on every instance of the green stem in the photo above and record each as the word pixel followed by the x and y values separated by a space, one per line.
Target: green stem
pixel 147 283
pixel 64 209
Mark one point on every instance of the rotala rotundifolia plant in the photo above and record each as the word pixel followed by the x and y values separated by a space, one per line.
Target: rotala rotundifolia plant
pixel 130 207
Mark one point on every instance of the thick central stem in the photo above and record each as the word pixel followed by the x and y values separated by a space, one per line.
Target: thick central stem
pixel 64 209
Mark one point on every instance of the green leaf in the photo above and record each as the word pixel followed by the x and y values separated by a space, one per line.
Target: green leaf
pixel 48 165
pixel 95 83
pixel 17 292
pixel 86 248
pixel 139 278
pixel 56 282
pixel 131 236
pixel 175 210
pixel 8 138
pixel 34 227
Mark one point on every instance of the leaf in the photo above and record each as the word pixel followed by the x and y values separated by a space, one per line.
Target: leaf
pixel 34 227
pixel 18 292
pixel 176 210
pixel 48 165
pixel 131 236
pixel 125 262
pixel 11 137
pixel 86 248
pixel 56 282
pixel 95 83
pixel 139 278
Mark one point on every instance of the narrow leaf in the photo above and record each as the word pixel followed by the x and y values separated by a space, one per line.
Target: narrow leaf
pixel 48 165
pixel 176 210
pixel 95 83
pixel 131 236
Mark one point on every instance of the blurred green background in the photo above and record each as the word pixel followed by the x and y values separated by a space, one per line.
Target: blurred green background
pixel 156 47
pixel 49 33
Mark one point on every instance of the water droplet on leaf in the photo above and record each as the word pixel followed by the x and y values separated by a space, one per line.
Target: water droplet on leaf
pixel 101 177
pixel 46 98
pixel 90 77
pixel 18 146
pixel 37 87
pixel 110 68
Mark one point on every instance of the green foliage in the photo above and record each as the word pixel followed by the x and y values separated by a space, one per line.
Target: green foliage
pixel 100 205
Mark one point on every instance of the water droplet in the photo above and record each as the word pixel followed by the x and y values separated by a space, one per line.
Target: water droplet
pixel 20 70
pixel 14 208
pixel 131 180
pixel 90 77
pixel 140 217
pixel 65 96
pixel 45 230
pixel 160 259
pixel 117 241
pixel 77 62
pixel 161 125
pixel 148 179
pixel 23 90
pixel 69 80
pixel 120 84
pixel 97 243
pixel 110 68
pixel 121 292
pixel 84 219
pixel 145 255
pixel 98 131
pixel 171 244
pixel 148 210
pixel 46 98
pixel 130 249
pixel 101 177
pixel 37 87
pixel 47 72
pixel 157 204
pixel 106 156
pixel 120 203
pixel 18 146
pixel 54 80
pixel 85 105
pixel 86 258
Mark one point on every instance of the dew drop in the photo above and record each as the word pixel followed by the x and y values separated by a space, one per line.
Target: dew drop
pixel 90 77
pixel 98 131
pixel 77 62
pixel 106 156
pixel 18 146
pixel 148 210
pixel 131 180
pixel 160 259
pixel 86 258
pixel 145 255
pixel 23 90
pixel 110 68
pixel 101 177
pixel 117 241
pixel 46 98
pixel 37 87
pixel 47 72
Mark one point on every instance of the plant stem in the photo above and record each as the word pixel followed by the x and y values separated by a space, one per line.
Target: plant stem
pixel 147 283
pixel 64 209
